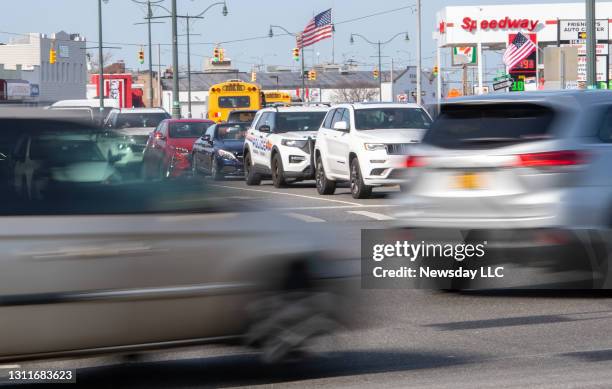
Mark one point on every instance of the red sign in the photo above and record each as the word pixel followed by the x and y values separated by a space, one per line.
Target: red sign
pixel 528 65
pixel 506 23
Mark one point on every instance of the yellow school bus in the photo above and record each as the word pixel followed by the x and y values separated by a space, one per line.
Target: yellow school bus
pixel 277 97
pixel 232 95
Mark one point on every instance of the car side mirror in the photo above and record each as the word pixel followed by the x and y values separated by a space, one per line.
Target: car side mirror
pixel 264 128
pixel 206 138
pixel 341 126
pixel 159 136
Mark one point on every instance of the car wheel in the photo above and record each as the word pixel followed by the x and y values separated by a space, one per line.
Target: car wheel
pixel 251 177
pixel 324 186
pixel 216 174
pixel 359 190
pixel 278 177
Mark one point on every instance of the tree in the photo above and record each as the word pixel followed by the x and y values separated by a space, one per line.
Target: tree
pixel 93 65
pixel 351 95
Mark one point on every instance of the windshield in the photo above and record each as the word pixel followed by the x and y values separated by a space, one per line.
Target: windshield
pixel 391 118
pixel 245 116
pixel 64 151
pixel 298 121
pixel 232 131
pixel 188 129
pixel 234 102
pixel 490 125
pixel 152 119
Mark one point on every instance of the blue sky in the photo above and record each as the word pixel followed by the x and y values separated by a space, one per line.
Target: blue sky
pixel 246 19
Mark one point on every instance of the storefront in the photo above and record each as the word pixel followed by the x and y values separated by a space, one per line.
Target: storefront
pixel 492 27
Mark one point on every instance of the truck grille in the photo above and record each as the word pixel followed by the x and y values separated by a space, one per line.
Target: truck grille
pixel 399 148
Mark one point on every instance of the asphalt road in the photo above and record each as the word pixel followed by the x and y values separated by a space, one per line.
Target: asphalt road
pixel 414 339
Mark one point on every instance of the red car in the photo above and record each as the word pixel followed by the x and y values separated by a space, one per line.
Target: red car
pixel 168 148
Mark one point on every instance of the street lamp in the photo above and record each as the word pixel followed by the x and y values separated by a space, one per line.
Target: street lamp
pixel 176 105
pixel 379 44
pixel 295 35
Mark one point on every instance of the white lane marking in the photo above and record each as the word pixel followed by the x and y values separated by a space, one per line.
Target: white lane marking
pixel 337 207
pixel 291 194
pixel 373 215
pixel 305 218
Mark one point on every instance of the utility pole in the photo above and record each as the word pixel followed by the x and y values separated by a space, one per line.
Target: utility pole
pixel 100 59
pixel 159 91
pixel 418 75
pixel 176 104
pixel 379 75
pixel 188 70
pixel 149 14
pixel 591 58
pixel 392 81
pixel 303 78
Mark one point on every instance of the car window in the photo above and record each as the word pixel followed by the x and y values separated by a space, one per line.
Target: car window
pixel 265 119
pixel 465 126
pixel 235 131
pixel 241 116
pixel 328 119
pixel 141 119
pixel 187 129
pixel 337 116
pixel 346 117
pixel 234 102
pixel 391 118
pixel 605 130
pixel 210 131
pixel 298 121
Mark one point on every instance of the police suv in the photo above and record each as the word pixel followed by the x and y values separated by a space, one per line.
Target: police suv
pixel 280 142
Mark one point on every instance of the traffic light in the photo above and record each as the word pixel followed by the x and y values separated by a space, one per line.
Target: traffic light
pixel 141 56
pixel 312 75
pixel 253 76
pixel 296 54
pixel 52 56
pixel 216 54
pixel 221 55
pixel 435 70
pixel 376 73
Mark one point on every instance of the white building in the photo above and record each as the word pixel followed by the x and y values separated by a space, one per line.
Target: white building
pixel 488 27
pixel 65 79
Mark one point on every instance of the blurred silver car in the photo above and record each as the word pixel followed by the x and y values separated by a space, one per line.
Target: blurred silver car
pixel 144 265
pixel 528 171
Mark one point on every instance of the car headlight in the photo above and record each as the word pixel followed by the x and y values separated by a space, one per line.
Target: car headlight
pixel 374 146
pixel 226 154
pixel 122 146
pixel 294 143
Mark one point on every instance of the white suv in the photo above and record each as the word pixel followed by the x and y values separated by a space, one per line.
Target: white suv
pixel 367 145
pixel 279 144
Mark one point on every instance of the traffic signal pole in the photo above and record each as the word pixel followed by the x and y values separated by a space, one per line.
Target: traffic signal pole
pixel 303 78
pixel 188 71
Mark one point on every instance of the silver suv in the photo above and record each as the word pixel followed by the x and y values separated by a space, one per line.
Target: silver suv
pixel 534 169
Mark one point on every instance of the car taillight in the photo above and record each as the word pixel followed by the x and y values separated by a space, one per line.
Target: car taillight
pixel 415 161
pixel 552 158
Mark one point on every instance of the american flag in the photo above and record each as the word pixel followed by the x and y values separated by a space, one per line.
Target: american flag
pixel 519 49
pixel 320 27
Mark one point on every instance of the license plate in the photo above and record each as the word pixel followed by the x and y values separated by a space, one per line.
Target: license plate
pixel 468 181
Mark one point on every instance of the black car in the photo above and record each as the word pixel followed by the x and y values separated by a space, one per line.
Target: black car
pixel 219 151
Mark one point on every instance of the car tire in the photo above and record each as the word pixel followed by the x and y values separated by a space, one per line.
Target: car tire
pixel 215 173
pixel 359 190
pixel 251 177
pixel 324 185
pixel 278 177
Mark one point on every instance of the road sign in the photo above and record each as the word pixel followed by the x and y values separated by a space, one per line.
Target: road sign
pixel 503 84
pixel 503 77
